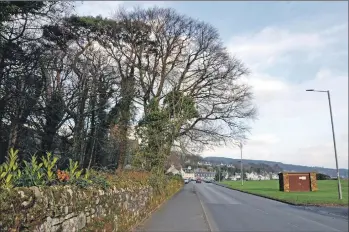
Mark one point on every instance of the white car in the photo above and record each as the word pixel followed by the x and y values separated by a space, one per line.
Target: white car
pixel 186 181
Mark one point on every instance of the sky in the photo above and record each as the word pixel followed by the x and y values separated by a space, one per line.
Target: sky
pixel 289 47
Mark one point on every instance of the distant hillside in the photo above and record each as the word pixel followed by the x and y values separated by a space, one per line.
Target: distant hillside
pixel 285 167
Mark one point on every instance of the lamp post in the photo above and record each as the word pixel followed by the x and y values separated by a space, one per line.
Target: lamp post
pixel 241 165
pixel 333 136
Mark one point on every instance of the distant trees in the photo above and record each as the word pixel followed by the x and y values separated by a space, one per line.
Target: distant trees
pixel 79 86
pixel 321 176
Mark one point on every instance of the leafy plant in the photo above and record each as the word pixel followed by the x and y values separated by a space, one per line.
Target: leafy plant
pixel 100 181
pixel 73 171
pixel 9 171
pixel 87 175
pixel 82 183
pixel 49 164
pixel 32 175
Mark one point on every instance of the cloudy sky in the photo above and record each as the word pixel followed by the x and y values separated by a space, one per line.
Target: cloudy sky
pixel 289 47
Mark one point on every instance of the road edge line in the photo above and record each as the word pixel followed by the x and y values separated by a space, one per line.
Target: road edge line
pixel 304 206
pixel 209 221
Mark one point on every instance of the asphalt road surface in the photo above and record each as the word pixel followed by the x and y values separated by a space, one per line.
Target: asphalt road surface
pixel 208 207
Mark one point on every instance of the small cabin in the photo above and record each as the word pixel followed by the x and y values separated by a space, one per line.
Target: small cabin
pixel 297 181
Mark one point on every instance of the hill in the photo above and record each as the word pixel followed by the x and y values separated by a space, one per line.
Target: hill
pixel 285 167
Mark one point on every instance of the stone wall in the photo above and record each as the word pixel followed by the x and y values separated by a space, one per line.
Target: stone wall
pixel 313 182
pixel 69 208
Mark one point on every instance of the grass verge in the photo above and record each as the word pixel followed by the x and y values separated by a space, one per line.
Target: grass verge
pixel 327 195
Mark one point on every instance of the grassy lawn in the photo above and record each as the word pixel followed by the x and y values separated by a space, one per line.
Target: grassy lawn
pixel 326 195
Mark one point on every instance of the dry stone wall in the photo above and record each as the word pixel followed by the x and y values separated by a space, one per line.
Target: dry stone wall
pixel 69 208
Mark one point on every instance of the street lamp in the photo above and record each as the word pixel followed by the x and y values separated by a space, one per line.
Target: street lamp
pixel 333 136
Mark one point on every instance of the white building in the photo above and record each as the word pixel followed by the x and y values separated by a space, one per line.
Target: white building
pixel 175 171
pixel 253 176
pixel 237 176
pixel 274 176
pixel 187 175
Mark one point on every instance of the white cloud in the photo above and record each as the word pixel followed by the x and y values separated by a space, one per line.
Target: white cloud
pixel 270 45
pixel 94 8
pixel 294 125
pixel 264 139
pixel 107 8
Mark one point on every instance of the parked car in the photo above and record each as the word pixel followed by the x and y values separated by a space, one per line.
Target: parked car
pixel 186 181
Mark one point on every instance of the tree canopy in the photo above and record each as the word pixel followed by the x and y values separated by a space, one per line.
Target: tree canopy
pixel 80 85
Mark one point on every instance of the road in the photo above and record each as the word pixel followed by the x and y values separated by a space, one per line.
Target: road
pixel 208 207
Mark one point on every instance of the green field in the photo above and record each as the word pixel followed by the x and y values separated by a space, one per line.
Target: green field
pixel 326 195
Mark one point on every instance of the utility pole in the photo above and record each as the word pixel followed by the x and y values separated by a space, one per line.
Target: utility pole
pixel 334 139
pixel 241 165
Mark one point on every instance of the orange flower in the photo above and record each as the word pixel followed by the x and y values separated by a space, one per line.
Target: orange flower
pixel 62 175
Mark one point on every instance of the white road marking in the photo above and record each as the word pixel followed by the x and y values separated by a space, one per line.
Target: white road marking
pixel 211 224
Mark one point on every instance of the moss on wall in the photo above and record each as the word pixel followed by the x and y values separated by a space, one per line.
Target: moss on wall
pixel 69 208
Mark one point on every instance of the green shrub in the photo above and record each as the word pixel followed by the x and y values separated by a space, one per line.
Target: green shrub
pixel 73 171
pixel 100 181
pixel 177 177
pixel 81 183
pixel 36 172
pixel 87 174
pixel 158 180
pixel 32 174
pixel 48 166
pixel 9 171
pixel 321 176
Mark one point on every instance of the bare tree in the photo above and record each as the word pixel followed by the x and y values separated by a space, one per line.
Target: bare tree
pixel 190 60
pixel 74 85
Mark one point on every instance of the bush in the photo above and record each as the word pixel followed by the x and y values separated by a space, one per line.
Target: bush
pixel 36 173
pixel 321 176
pixel 81 183
pixel 158 180
pixel 177 177
pixel 32 174
pixel 49 165
pixel 9 171
pixel 99 181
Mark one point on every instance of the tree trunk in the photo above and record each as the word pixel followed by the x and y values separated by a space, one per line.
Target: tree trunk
pixel 127 89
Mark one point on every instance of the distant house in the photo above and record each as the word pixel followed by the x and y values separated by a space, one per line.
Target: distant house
pixel 253 176
pixel 226 175
pixel 175 171
pixel 274 176
pixel 186 175
pixel 237 176
pixel 205 175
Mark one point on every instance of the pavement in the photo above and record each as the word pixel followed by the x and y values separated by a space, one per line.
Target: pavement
pixel 209 207
pixel 183 212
